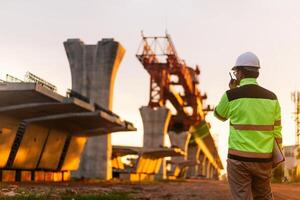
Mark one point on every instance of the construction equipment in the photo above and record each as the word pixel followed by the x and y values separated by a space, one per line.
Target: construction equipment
pixel 171 79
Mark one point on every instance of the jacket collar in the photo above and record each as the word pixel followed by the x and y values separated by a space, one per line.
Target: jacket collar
pixel 248 81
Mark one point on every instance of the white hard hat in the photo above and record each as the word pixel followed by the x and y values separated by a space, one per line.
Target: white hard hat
pixel 247 60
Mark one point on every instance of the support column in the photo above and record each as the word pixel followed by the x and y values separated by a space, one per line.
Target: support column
pixel 193 150
pixel 208 168
pixel 200 166
pixel 215 174
pixel 93 70
pixel 155 123
pixel 211 176
pixel 204 165
pixel 180 140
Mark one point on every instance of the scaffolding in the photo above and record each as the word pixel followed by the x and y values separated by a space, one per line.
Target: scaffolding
pixel 29 77
pixel 172 80
pixel 10 78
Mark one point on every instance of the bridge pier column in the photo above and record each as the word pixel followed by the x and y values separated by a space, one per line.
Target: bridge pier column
pixel 212 168
pixel 180 140
pixel 93 70
pixel 208 173
pixel 155 123
pixel 200 165
pixel 204 166
pixel 215 174
pixel 193 151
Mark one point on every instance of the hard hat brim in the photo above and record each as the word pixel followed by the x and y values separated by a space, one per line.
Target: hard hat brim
pixel 254 67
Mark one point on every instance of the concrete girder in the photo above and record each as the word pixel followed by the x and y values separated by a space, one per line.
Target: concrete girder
pixel 34 110
pixel 23 93
pixel 149 160
pixel 206 152
pixel 77 123
pixel 36 134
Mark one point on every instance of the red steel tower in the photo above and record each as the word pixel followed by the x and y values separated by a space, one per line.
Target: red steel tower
pixel 171 79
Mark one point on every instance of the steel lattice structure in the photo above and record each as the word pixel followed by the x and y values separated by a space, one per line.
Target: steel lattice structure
pixel 171 79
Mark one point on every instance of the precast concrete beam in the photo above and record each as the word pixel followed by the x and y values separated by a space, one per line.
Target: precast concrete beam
pixel 43 130
pixel 24 93
pixel 93 70
pixel 83 124
pixel 8 129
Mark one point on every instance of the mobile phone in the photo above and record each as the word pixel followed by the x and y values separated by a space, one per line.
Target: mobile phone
pixel 230 76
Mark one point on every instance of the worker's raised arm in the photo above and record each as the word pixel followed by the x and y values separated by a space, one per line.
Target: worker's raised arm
pixel 222 110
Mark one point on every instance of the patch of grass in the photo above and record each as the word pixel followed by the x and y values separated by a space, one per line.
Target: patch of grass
pixel 108 196
pixel 29 197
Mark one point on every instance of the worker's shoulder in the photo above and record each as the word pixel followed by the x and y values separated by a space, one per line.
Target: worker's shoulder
pixel 250 91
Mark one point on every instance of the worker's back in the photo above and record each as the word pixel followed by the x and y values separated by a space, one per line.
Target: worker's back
pixel 254 115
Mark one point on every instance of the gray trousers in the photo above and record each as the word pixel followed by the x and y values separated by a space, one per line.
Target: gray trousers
pixel 249 180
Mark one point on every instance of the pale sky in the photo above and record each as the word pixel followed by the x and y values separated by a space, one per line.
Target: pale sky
pixel 205 32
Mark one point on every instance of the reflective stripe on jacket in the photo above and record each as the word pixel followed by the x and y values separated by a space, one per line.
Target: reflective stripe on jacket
pixel 255 120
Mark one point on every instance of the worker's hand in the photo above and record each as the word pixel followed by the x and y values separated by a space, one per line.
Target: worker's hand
pixel 233 83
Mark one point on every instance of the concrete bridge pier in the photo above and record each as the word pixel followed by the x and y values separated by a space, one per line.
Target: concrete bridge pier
pixel 93 70
pixel 155 123
pixel 180 140
pixel 193 151
pixel 201 157
pixel 215 174
pixel 208 169
pixel 204 166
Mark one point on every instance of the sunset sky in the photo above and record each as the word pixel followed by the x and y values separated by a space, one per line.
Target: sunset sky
pixel 205 32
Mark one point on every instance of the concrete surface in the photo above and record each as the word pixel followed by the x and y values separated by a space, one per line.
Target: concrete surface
pixel 155 123
pixel 93 70
pixel 54 128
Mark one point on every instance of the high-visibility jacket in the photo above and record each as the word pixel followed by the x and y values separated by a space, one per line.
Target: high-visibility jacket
pixel 255 121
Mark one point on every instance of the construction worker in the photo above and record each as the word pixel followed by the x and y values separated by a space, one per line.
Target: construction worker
pixel 255 122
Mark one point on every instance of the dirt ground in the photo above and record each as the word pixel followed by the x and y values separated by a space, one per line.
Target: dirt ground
pixel 173 190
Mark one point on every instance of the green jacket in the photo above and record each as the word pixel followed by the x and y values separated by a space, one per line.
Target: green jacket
pixel 255 121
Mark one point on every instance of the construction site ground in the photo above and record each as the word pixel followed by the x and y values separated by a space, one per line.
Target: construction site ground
pixel 167 190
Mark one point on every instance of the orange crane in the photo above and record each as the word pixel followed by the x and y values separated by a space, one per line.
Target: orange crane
pixel 172 80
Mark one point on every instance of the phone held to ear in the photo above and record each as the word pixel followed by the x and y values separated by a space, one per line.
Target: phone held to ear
pixel 233 82
pixel 230 76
